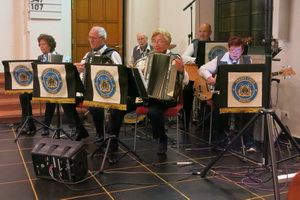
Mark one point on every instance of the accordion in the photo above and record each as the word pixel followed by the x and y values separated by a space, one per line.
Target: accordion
pixel 162 79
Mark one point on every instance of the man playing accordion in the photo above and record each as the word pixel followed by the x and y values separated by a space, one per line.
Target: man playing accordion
pixel 161 40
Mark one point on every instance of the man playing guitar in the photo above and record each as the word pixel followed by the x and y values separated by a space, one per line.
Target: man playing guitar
pixel 233 56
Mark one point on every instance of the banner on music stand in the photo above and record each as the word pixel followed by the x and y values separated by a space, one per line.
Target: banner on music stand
pixel 55 83
pixel 241 88
pixel 18 76
pixel 208 50
pixel 106 86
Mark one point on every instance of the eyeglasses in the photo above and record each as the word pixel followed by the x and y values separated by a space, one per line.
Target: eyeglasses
pixel 158 41
pixel 236 50
pixel 93 38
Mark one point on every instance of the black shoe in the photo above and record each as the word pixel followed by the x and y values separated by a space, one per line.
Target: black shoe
pixel 45 132
pixel 82 133
pixel 114 146
pixel 29 130
pixel 98 140
pixel 162 148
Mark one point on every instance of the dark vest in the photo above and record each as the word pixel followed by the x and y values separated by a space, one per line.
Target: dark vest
pixel 104 58
pixel 195 45
pixel 138 55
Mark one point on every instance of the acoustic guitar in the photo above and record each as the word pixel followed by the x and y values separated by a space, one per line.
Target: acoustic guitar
pixel 204 91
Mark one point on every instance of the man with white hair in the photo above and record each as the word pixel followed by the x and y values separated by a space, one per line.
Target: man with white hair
pixel 140 50
pixel 97 39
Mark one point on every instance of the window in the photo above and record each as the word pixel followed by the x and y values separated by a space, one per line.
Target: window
pixel 245 18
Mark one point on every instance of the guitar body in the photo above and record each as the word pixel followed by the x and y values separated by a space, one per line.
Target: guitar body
pixel 192 70
pixel 202 89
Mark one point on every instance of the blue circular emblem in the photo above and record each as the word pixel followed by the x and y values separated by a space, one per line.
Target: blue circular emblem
pixel 215 51
pixel 23 76
pixel 51 80
pixel 245 89
pixel 105 84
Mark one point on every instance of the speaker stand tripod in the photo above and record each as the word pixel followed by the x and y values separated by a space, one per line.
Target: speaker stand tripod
pixel 267 113
pixel 57 131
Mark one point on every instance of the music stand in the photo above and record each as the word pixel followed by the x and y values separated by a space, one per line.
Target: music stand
pixel 107 87
pixel 18 80
pixel 208 50
pixel 56 83
pixel 232 79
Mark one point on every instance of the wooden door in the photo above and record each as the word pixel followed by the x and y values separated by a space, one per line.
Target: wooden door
pixel 88 13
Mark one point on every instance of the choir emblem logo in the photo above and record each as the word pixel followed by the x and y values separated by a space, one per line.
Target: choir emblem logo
pixel 52 80
pixel 105 84
pixel 215 51
pixel 244 89
pixel 23 75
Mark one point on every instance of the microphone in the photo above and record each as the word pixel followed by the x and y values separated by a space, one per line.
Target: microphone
pixel 189 5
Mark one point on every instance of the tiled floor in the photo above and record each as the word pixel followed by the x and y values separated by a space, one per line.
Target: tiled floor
pixel 156 177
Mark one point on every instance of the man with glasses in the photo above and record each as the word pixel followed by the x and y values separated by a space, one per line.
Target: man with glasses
pixel 233 56
pixel 97 39
pixel 161 40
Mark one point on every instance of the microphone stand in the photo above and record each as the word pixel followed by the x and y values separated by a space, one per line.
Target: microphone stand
pixel 190 36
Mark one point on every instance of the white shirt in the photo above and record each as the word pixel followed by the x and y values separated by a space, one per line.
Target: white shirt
pixel 211 67
pixel 187 55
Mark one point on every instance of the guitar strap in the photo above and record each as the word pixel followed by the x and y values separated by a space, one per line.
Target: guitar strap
pixel 241 60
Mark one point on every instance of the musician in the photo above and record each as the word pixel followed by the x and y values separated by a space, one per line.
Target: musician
pixel 97 39
pixel 233 56
pixel 140 50
pixel 161 40
pixel 189 57
pixel 47 45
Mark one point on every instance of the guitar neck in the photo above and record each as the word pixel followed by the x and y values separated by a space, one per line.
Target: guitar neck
pixel 276 73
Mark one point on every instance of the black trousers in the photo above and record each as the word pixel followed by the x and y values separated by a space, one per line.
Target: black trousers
pixel 70 111
pixel 115 120
pixel 188 98
pixel 157 118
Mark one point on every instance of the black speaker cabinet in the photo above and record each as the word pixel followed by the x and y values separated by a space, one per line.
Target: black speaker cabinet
pixel 65 158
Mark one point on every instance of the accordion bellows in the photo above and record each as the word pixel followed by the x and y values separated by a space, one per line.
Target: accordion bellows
pixel 163 81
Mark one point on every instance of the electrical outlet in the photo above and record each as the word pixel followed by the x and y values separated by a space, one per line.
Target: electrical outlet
pixel 285 114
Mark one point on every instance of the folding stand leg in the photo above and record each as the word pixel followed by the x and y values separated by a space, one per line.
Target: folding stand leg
pixel 23 124
pixel 208 167
pixel 107 142
pixel 268 113
pixel 58 130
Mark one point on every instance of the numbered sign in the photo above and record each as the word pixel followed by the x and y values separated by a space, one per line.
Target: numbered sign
pixel 45 9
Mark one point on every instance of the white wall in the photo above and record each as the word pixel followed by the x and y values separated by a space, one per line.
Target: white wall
pixel 290 88
pixel 177 22
pixel 19 33
pixel 148 15
pixel 7 39
pixel 139 19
